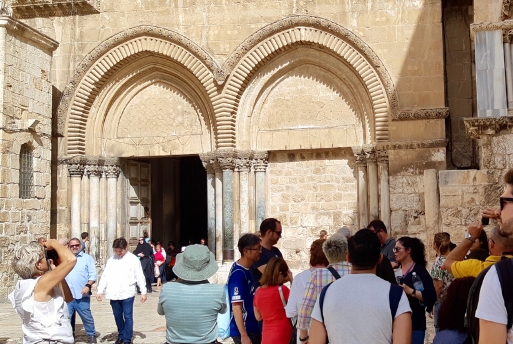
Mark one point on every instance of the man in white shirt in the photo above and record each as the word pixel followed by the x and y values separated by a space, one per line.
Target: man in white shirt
pixel 361 298
pixel 122 272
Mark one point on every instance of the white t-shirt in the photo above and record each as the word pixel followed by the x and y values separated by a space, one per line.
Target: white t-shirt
pixel 357 310
pixel 491 303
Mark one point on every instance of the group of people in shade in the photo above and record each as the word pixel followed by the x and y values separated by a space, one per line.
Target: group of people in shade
pixel 361 288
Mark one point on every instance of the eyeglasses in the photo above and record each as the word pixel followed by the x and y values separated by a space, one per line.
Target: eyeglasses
pixel 259 248
pixel 397 249
pixel 71 246
pixel 278 232
pixel 504 200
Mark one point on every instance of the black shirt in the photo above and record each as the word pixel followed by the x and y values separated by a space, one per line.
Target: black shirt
pixel 265 257
pixel 418 312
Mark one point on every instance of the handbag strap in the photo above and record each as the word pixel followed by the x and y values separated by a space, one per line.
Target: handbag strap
pixel 282 297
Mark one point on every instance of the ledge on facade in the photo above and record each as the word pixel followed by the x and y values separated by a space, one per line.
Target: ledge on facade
pixel 431 113
pixel 487 26
pixel 53 8
pixel 412 144
pixel 481 126
pixel 27 32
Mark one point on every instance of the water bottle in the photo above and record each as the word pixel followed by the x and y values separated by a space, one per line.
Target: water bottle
pixel 417 284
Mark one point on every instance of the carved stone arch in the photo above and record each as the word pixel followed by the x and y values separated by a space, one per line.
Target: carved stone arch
pixel 118 51
pixel 287 33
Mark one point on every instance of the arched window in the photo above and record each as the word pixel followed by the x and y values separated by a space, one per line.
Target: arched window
pixel 26 174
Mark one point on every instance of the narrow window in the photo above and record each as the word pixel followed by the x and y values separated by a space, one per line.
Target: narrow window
pixel 26 174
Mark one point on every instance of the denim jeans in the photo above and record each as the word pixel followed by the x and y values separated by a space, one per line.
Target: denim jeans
pixel 436 311
pixel 256 338
pixel 123 314
pixel 83 308
pixel 417 337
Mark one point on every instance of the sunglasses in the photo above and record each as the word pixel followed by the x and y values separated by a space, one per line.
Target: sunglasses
pixel 504 200
pixel 278 232
pixel 397 249
pixel 75 245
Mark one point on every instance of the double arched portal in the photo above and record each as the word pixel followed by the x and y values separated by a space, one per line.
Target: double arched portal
pixel 300 83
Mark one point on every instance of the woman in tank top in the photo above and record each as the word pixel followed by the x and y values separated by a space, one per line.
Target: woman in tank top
pixel 39 296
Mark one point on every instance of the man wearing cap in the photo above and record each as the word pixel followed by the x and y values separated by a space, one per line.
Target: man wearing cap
pixel 191 304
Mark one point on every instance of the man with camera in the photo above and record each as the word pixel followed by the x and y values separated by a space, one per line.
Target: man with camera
pixel 80 281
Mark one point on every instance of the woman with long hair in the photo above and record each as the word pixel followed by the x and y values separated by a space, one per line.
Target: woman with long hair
pixel 441 277
pixel 40 296
pixel 480 250
pixel 451 318
pixel 160 260
pixel 268 304
pixel 410 253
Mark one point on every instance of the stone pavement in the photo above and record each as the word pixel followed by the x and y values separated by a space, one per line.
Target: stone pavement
pixel 149 327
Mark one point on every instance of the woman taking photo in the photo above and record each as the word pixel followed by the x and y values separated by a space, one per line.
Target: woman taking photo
pixel 441 277
pixel 160 259
pixel 410 254
pixel 268 305
pixel 39 297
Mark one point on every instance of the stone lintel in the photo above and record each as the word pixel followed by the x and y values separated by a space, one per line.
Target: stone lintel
pixel 476 127
pixel 417 114
pixel 29 33
pixel 57 8
pixel 412 144
pixel 504 25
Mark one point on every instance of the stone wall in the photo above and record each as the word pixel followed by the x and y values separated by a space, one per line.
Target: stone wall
pixel 26 93
pixel 309 191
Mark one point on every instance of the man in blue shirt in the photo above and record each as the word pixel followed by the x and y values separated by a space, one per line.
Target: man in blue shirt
pixel 244 326
pixel 80 280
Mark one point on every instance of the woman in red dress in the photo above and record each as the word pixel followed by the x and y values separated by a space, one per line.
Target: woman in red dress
pixel 268 304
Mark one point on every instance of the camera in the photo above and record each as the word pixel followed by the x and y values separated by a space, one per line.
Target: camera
pixel 400 280
pixel 52 254
pixel 485 221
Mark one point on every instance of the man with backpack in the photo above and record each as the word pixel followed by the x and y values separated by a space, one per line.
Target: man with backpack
pixel 244 326
pixel 361 307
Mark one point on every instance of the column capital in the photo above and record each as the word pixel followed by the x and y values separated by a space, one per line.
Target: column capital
pixel 260 161
pixel 370 153
pixel 243 161
pixel 208 160
pixel 94 170
pixel 76 170
pixel 382 156
pixel 226 159
pixel 361 156
pixel 111 171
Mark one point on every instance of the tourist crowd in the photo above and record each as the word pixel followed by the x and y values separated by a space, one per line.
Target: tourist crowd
pixel 365 287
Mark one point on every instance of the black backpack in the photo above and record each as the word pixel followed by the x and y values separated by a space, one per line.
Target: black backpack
pixel 394 296
pixel 504 269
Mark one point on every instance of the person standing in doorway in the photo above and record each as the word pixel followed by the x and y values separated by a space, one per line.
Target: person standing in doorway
pixel 122 273
pixel 145 253
pixel 270 233
pixel 80 281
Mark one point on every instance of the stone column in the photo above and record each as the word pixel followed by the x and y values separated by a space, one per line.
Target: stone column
pixel 226 160
pixel 103 219
pixel 260 165
pixel 84 204
pixel 112 174
pixel 431 204
pixel 94 172
pixel 219 211
pixel 243 166
pixel 251 198
pixel 384 189
pixel 361 170
pixel 372 174
pixel 208 160
pixel 236 210
pixel 508 67
pixel 76 170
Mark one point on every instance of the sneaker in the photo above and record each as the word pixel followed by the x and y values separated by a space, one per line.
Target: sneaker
pixel 92 339
pixel 119 341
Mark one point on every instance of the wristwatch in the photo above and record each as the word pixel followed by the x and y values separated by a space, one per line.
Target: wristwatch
pixel 469 237
pixel 304 339
pixel 413 292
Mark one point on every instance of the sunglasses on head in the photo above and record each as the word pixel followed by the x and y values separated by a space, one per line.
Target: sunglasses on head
pixel 504 200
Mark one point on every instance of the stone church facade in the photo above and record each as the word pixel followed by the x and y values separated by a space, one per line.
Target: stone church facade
pixel 198 119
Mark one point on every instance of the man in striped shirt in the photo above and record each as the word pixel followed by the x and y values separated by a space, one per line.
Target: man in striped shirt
pixel 335 249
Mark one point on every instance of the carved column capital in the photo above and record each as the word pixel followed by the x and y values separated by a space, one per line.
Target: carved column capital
pixel 243 161
pixel 370 153
pixel 208 160
pixel 382 156
pixel 260 161
pixel 111 171
pixel 361 156
pixel 76 170
pixel 226 159
pixel 94 170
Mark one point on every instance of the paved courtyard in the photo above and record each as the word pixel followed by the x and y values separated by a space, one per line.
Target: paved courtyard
pixel 149 327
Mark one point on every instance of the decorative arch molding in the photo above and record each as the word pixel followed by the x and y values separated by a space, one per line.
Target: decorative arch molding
pixel 116 52
pixel 285 34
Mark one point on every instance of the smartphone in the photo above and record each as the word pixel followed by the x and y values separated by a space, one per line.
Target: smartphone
pixel 400 280
pixel 485 221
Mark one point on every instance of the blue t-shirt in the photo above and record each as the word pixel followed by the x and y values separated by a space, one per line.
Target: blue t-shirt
pixel 241 289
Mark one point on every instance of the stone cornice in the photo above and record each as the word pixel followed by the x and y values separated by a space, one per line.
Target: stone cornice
pixel 29 33
pixel 432 113
pixel 412 144
pixel 476 127
pixel 47 8
pixel 487 26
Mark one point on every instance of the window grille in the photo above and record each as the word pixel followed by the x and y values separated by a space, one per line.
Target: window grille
pixel 26 174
